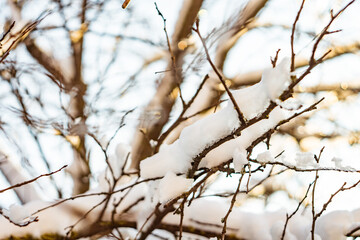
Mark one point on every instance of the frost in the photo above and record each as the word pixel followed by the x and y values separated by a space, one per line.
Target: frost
pixel 172 186
pixel 265 157
pixel 239 159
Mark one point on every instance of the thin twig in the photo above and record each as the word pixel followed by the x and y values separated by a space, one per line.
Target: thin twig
pixel 288 217
pixel 292 67
pixel 221 78
pixel 32 180
pixel 233 200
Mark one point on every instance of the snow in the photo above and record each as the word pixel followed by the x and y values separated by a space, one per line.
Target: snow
pixel 172 162
pixel 248 135
pixel 57 219
pixel 337 162
pixel 122 151
pixel 17 213
pixel 305 159
pixel 252 101
pixel 265 157
pixel 239 159
pixel 334 225
pixel 169 158
pixel 277 230
pixel 244 224
pixel 172 186
pixel 267 225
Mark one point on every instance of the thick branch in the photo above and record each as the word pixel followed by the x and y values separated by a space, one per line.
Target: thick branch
pixel 157 112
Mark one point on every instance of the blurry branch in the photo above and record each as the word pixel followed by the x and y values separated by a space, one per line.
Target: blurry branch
pixel 342 89
pixel 30 122
pixel 73 85
pixel 219 75
pixel 211 92
pixel 9 41
pixel 13 175
pixel 245 17
pixel 107 227
pixel 353 232
pixel 157 112
pixel 126 37
pixel 4 35
pixel 49 63
pixel 80 169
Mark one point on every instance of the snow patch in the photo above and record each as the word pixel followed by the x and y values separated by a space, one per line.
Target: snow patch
pixel 172 186
pixel 252 101
pixel 304 159
pixel 239 159
pixel 265 157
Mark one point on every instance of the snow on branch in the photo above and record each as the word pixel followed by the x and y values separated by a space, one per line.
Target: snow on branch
pixel 173 194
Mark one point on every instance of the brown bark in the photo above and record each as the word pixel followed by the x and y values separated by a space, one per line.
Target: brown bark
pixel 76 110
